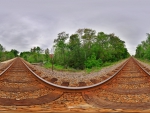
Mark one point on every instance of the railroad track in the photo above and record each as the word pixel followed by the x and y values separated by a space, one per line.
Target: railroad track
pixel 127 88
pixel 19 86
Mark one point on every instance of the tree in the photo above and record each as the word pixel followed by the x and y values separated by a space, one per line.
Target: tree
pixel 76 58
pixel 147 53
pixel 88 39
pixel 86 49
pixel 143 49
pixel 102 45
pixel 1 52
pixel 93 62
pixel 61 47
pixel 1 48
pixel 15 52
pixel 47 55
pixel 117 46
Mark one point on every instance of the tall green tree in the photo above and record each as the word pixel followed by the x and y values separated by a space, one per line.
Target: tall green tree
pixel 1 48
pixel 61 47
pixel 75 54
pixel 85 49
pixel 88 39
pixel 102 45
pixel 47 55
pixel 15 52
pixel 1 52
pixel 143 49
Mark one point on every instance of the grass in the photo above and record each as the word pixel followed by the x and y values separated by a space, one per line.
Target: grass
pixel 93 69
pixel 47 65
pixel 144 60
pixel 59 67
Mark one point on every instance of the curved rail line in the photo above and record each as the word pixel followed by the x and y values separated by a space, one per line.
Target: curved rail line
pixel 76 88
pixel 67 87
pixel 129 87
pixel 18 86
pixel 142 68
pixel 7 67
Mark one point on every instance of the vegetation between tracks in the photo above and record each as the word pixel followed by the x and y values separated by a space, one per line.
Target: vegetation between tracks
pixel 87 70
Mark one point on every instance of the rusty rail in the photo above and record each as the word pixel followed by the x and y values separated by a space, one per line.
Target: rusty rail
pixel 76 88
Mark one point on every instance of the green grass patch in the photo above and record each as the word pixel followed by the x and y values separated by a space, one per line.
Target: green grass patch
pixel 59 67
pixel 93 69
pixel 47 65
pixel 144 60
pixel 107 64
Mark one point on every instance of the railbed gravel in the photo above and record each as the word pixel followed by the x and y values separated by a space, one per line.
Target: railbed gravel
pixel 4 64
pixel 144 64
pixel 75 77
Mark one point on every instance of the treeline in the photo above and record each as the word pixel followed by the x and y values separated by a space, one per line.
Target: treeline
pixel 84 49
pixel 36 55
pixel 6 55
pixel 143 49
pixel 87 49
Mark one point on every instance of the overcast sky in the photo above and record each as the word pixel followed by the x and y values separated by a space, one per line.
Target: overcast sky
pixel 28 23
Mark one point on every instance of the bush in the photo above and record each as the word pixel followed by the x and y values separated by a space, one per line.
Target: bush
pixel 92 62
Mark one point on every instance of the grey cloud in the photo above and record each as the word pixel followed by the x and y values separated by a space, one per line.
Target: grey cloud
pixel 22 33
pixel 26 23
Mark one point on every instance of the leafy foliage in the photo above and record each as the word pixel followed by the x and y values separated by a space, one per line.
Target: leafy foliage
pixel 85 49
pixel 93 62
pixel 6 55
pixel 143 49
pixel 34 56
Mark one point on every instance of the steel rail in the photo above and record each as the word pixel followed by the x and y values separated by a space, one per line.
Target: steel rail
pixel 7 67
pixel 141 66
pixel 77 88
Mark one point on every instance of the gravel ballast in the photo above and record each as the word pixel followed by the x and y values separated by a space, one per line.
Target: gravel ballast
pixel 75 77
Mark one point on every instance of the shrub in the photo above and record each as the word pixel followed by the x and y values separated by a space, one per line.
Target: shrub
pixel 93 62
